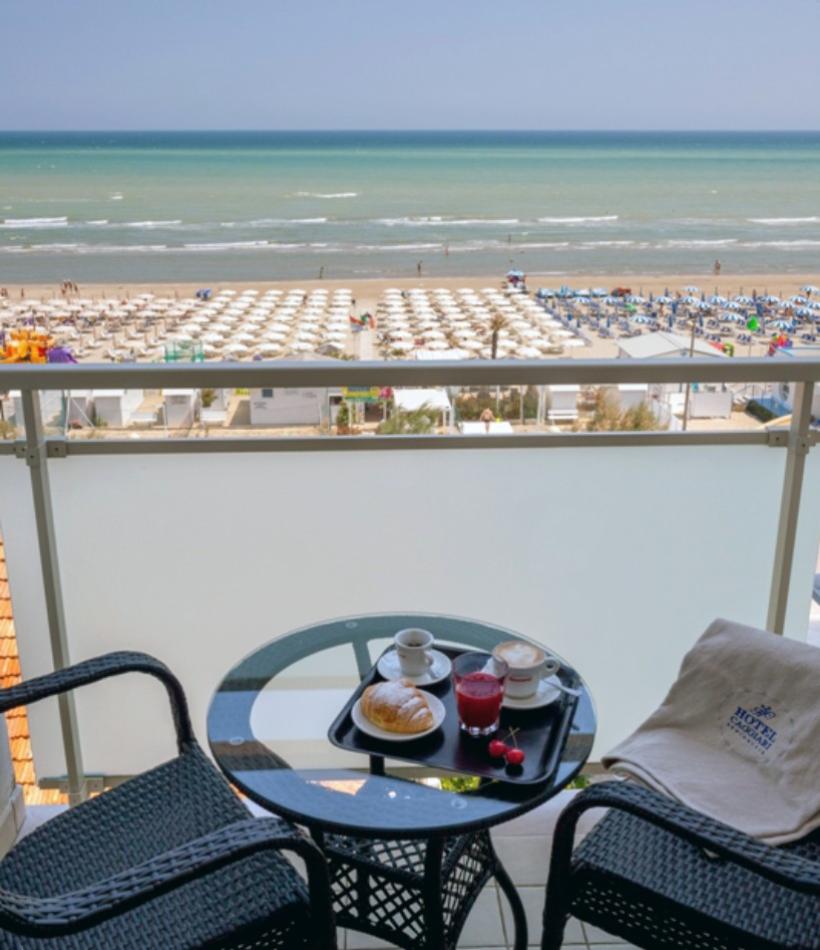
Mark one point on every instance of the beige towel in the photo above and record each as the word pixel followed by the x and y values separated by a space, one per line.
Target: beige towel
pixel 738 735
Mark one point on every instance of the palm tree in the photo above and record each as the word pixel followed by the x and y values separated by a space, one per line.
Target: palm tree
pixel 497 323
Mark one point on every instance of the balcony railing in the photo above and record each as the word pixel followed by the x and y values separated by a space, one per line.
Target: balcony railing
pixel 616 557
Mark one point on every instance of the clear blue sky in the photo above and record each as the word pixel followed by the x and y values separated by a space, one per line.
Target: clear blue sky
pixel 357 64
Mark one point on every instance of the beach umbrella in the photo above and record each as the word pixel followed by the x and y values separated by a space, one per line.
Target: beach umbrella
pixel 691 289
pixel 771 298
pixel 810 289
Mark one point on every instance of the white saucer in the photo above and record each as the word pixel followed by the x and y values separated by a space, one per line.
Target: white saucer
pixel 545 694
pixel 437 671
pixel 360 721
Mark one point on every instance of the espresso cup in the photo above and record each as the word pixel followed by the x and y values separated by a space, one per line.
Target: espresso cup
pixel 528 665
pixel 412 646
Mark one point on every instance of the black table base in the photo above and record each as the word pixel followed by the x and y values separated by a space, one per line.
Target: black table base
pixel 415 893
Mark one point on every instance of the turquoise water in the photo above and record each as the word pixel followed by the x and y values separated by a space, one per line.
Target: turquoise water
pixel 226 205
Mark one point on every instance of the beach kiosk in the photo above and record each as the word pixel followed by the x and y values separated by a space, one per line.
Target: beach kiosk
pixel 276 406
pixel 180 407
pixel 706 401
pixel 116 407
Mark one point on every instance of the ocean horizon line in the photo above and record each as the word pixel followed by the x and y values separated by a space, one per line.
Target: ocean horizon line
pixel 419 131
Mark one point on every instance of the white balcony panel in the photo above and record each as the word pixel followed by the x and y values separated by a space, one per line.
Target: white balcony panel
pixel 615 557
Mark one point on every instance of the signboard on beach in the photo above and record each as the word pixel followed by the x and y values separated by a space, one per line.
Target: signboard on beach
pixel 361 393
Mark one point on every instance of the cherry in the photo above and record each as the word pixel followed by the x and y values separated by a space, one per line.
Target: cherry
pixel 497 749
pixel 515 756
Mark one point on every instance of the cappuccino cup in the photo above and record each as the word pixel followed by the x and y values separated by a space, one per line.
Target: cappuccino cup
pixel 413 646
pixel 528 665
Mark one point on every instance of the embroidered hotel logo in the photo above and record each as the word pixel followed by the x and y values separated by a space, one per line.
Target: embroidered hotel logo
pixel 749 724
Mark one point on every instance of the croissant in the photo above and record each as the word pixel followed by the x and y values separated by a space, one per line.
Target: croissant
pixel 397 706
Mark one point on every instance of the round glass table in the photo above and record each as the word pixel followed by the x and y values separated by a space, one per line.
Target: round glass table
pixel 408 851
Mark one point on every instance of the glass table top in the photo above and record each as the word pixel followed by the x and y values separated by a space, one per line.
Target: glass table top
pixel 268 723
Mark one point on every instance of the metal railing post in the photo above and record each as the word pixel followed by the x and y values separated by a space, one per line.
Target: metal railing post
pixel 36 458
pixel 798 449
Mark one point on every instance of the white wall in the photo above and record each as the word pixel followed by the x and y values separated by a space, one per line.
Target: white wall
pixel 286 407
pixel 615 558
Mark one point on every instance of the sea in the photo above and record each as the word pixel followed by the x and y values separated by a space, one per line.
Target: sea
pixel 248 206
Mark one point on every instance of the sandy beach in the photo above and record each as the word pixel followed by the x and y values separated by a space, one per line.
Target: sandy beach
pixel 367 292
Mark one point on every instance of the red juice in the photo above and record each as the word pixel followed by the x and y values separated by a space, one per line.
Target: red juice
pixel 478 696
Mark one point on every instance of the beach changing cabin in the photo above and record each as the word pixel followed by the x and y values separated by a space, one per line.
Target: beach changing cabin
pixel 287 407
pixel 180 407
pixel 712 401
pixel 116 407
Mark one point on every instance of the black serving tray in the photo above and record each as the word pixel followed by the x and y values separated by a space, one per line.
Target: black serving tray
pixel 542 735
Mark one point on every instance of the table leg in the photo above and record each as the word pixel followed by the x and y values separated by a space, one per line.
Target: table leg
pixel 519 917
pixel 433 906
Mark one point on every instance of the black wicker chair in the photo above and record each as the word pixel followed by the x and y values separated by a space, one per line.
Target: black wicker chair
pixel 659 874
pixel 168 859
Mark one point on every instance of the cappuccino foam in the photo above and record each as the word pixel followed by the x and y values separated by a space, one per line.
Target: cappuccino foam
pixel 517 654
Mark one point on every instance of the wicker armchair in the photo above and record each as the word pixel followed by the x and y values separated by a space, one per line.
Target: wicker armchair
pixel 659 874
pixel 168 859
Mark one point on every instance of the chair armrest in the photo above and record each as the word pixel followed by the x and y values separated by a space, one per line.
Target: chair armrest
pixel 101 667
pixel 76 911
pixel 783 867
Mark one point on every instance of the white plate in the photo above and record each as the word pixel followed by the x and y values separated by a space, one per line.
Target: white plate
pixel 360 721
pixel 545 694
pixel 438 670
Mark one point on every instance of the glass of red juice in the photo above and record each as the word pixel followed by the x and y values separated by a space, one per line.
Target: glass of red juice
pixel 479 684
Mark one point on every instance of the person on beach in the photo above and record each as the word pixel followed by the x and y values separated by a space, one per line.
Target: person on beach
pixel 717 267
pixel 418 269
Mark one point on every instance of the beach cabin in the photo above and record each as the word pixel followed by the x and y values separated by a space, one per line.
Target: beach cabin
pixel 287 407
pixel 51 407
pixel 180 407
pixel 116 407
pixel 80 408
pixel 563 402
pixel 631 395
pixel 712 401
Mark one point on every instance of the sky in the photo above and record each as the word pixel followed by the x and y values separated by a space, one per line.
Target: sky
pixel 427 64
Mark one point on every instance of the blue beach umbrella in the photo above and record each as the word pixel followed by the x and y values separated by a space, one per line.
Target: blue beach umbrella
pixel 690 289
pixel 810 289
pixel 718 300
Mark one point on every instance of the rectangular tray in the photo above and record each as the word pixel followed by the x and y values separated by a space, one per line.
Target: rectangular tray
pixel 542 735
